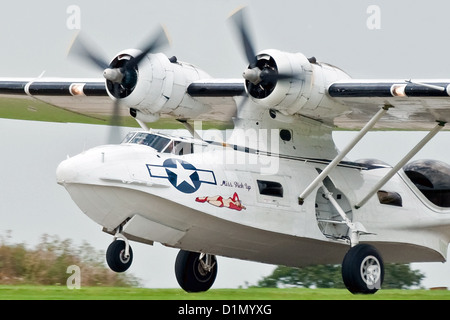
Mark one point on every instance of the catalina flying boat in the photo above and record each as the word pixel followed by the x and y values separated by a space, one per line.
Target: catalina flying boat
pixel 275 189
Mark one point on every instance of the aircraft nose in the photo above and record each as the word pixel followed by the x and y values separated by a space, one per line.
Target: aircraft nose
pixel 66 172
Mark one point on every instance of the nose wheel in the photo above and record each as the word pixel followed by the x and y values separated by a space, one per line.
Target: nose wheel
pixel 195 272
pixel 119 255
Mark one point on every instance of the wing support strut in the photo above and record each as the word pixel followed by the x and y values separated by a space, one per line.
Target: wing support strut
pixel 402 162
pixel 318 180
pixel 189 128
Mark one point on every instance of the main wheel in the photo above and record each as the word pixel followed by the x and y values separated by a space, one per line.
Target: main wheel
pixel 192 273
pixel 115 256
pixel 363 269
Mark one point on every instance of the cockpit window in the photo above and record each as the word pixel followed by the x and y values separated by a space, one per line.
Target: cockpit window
pixel 154 141
pixel 128 137
pixel 143 138
pixel 160 143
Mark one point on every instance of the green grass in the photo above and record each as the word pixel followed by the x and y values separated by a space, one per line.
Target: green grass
pixel 26 292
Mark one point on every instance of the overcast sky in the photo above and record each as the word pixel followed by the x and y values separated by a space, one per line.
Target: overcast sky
pixel 393 39
pixel 399 39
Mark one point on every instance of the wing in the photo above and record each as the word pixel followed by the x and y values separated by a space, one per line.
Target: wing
pixel 219 96
pixel 87 100
pixel 78 100
pixel 416 105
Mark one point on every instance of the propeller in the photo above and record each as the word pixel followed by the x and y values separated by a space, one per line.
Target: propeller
pixel 239 19
pixel 86 50
pixel 121 74
pixel 262 73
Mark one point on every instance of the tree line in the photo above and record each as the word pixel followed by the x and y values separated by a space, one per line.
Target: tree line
pixel 47 263
pixel 396 276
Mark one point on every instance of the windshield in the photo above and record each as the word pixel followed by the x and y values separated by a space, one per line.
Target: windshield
pixel 152 140
pixel 160 143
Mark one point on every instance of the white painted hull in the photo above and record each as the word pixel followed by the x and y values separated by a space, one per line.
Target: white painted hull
pixel 270 230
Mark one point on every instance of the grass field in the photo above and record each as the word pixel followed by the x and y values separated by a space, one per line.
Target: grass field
pixel 107 293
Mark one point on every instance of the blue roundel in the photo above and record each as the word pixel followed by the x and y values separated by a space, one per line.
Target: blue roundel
pixel 182 175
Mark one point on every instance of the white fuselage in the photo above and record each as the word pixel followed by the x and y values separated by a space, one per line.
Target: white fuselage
pixel 204 202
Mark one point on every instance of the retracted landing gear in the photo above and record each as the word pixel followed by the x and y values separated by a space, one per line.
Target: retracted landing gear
pixel 362 269
pixel 119 255
pixel 195 272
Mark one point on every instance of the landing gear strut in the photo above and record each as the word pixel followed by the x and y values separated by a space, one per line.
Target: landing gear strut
pixel 363 269
pixel 195 272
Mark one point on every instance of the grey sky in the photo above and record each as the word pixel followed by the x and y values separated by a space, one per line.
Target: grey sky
pixel 411 43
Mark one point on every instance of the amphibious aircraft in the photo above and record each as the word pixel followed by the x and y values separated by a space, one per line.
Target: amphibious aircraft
pixel 275 189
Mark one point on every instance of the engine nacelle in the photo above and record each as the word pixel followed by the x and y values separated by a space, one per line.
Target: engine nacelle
pixel 158 85
pixel 289 82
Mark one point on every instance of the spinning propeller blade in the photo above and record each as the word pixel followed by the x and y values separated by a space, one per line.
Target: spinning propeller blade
pixel 119 77
pixel 258 72
pixel 161 39
pixel 262 74
pixel 239 20
pixel 85 50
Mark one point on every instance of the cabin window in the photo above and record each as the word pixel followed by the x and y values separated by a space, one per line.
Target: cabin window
pixel 270 188
pixel 182 148
pixel 390 198
pixel 179 148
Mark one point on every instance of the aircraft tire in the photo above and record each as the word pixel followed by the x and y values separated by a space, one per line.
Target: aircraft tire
pixel 115 256
pixel 363 269
pixel 190 274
